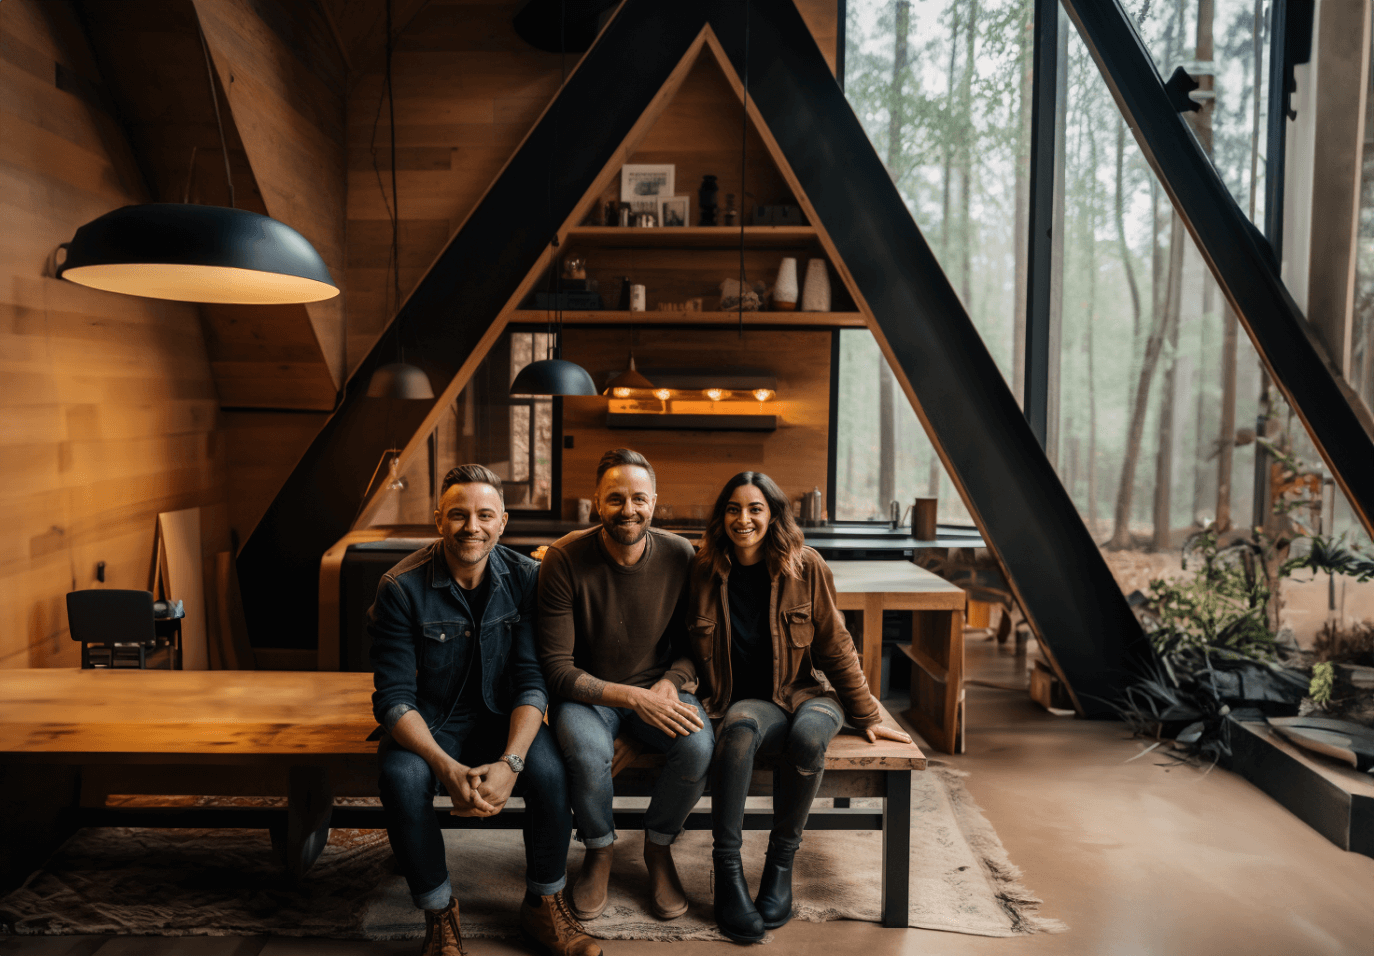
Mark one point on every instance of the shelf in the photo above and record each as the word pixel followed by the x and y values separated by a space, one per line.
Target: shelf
pixel 693 237
pixel 847 320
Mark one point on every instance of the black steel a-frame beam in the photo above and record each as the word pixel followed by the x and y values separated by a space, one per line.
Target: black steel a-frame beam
pixel 1023 510
pixel 1240 257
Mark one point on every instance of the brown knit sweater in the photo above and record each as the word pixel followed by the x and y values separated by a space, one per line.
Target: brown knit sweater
pixel 621 625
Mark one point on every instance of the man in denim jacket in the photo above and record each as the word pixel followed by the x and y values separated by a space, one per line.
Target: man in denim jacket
pixel 460 693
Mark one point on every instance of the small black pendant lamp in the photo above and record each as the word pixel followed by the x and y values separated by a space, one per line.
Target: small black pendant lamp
pixel 629 379
pixel 554 376
pixel 400 380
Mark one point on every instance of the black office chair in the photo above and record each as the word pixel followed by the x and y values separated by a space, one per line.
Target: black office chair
pixel 115 628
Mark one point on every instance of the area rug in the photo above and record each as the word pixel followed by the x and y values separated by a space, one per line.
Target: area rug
pixel 225 882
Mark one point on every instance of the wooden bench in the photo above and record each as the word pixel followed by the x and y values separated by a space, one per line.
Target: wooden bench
pixel 71 739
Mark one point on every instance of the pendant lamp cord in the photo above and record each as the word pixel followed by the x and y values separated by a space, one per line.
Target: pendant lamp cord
pixel 219 120
pixel 743 153
pixel 555 325
pixel 395 199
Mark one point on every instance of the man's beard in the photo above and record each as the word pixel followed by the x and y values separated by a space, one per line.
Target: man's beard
pixel 626 532
pixel 469 550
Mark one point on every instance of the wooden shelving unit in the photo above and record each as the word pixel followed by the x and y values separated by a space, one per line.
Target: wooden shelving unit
pixel 847 320
pixel 692 237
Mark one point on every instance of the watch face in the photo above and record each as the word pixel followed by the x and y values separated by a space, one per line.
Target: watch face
pixel 515 762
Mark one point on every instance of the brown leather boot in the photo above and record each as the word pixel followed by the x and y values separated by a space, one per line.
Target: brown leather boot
pixel 443 937
pixel 551 928
pixel 589 889
pixel 666 898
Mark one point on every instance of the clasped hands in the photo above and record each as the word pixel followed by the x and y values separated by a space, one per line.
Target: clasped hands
pixel 478 791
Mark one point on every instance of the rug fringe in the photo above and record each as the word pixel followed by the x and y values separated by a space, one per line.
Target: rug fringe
pixel 1019 903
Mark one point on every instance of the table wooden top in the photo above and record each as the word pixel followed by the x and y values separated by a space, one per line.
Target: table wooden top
pixel 896 580
pixel 147 712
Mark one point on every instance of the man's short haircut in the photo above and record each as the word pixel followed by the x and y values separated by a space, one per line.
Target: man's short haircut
pixel 473 474
pixel 624 456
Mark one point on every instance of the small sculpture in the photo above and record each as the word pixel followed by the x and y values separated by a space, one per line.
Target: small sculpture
pixel 730 296
pixel 706 200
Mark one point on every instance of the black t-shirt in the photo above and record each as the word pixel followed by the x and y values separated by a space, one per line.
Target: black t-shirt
pixel 470 696
pixel 751 639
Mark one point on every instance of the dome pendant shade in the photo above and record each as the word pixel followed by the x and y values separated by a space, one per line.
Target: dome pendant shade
pixel 553 377
pixel 400 380
pixel 630 378
pixel 195 253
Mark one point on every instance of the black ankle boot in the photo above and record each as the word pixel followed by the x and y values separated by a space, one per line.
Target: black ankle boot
pixel 735 913
pixel 774 903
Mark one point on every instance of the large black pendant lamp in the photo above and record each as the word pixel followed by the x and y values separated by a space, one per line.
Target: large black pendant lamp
pixel 554 376
pixel 196 253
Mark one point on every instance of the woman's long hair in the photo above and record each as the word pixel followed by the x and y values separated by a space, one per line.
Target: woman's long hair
pixel 783 541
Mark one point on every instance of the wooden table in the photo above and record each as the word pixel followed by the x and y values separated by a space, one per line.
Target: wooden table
pixel 937 639
pixel 70 739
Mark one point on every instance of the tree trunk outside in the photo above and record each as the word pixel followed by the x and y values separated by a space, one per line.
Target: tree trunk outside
pixel 1164 454
pixel 887 390
pixel 1022 212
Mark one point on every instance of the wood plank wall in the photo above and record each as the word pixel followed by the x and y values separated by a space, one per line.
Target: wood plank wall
pixel 108 409
pixel 693 466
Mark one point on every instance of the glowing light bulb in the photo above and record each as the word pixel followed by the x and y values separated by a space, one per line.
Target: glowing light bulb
pixel 763 394
pixel 621 392
pixel 662 394
pixel 716 394
pixel 395 480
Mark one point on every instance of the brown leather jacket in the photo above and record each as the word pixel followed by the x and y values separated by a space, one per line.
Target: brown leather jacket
pixel 813 653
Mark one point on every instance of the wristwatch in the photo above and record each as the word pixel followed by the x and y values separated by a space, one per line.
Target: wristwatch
pixel 517 764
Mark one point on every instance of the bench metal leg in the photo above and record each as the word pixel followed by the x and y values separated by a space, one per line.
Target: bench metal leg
pixel 897 848
pixel 309 806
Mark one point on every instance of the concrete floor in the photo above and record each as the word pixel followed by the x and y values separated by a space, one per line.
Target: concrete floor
pixel 1134 857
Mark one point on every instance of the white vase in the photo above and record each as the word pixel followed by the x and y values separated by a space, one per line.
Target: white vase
pixel 816 292
pixel 785 288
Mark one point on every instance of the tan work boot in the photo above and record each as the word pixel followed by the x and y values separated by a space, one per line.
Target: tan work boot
pixel 589 889
pixel 443 937
pixel 551 928
pixel 666 898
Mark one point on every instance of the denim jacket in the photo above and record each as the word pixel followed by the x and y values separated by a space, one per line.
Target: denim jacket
pixel 421 633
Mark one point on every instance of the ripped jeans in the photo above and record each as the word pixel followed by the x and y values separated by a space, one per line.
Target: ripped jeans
pixel 586 733
pixel 753 727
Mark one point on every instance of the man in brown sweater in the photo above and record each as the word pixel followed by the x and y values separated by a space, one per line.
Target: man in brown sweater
pixel 611 638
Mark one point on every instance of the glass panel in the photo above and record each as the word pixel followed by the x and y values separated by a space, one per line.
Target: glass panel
pixel 1362 334
pixel 1225 45
pixel 1159 392
pixel 860 494
pixel 513 436
pixel 943 89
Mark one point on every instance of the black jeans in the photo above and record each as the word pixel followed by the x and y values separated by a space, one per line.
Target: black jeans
pixel 753 727
pixel 408 787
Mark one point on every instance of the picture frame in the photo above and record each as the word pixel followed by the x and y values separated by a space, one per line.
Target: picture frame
pixel 645 184
pixel 675 211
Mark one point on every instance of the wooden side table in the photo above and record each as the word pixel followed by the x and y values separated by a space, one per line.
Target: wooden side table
pixel 937 639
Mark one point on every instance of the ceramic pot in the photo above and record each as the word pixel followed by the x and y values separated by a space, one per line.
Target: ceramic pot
pixel 816 292
pixel 785 288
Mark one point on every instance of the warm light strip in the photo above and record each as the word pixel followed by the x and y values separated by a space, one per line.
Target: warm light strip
pixel 198 283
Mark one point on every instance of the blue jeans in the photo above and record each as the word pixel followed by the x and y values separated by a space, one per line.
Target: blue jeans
pixel 408 788
pixel 586 733
pixel 753 727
